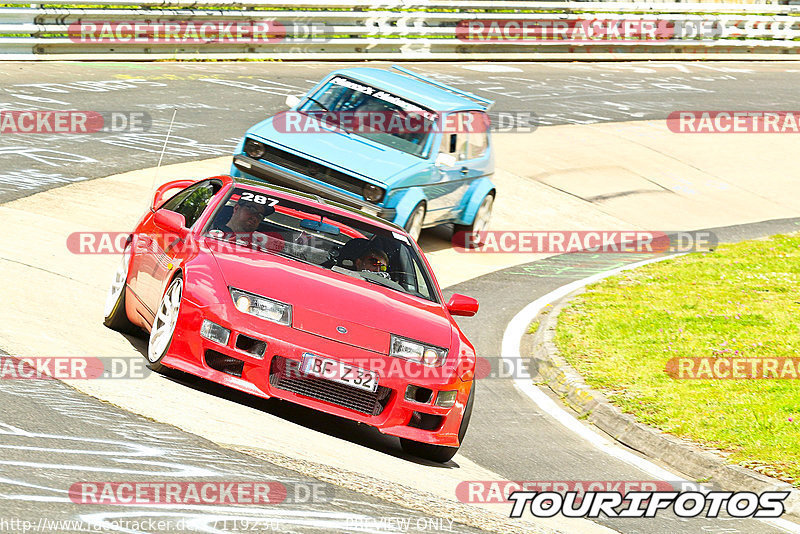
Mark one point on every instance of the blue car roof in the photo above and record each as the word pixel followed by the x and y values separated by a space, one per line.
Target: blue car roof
pixel 424 94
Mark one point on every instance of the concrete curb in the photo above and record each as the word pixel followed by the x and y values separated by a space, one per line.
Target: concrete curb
pixel 548 367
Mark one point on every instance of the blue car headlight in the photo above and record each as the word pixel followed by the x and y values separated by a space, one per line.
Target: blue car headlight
pixel 254 149
pixel 373 193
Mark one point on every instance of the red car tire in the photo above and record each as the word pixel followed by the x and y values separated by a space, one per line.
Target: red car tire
pixel 441 453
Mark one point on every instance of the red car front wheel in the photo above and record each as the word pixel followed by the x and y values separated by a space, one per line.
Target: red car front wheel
pixel 164 324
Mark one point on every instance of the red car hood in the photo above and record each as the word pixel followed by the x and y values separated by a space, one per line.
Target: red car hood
pixel 322 301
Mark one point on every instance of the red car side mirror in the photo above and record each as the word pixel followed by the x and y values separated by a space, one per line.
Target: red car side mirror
pixel 462 305
pixel 158 198
pixel 170 221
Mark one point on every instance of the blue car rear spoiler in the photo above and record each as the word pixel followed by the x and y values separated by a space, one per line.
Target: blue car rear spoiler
pixel 485 102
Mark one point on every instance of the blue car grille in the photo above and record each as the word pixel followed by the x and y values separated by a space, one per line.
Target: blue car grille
pixel 285 374
pixel 314 170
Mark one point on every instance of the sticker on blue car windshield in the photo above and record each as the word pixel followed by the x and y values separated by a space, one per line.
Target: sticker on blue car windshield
pixel 401 237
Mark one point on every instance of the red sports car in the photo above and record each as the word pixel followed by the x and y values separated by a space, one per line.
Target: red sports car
pixel 283 295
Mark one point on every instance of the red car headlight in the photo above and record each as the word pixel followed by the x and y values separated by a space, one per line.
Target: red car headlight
pixel 416 351
pixel 271 310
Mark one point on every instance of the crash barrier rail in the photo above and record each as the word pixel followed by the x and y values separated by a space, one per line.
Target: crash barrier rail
pixel 391 30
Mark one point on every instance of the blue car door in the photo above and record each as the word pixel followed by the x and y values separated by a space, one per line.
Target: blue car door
pixel 465 140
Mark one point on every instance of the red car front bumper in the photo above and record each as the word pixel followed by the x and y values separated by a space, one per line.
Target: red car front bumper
pixel 391 414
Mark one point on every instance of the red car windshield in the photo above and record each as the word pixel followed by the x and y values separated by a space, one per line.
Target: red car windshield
pixel 310 235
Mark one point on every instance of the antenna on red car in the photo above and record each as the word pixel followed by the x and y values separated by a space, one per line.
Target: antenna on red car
pixel 163 149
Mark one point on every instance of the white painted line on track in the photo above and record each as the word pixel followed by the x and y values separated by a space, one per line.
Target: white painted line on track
pixel 512 337
pixel 491 68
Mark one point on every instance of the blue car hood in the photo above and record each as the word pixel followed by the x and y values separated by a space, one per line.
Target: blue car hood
pixel 348 153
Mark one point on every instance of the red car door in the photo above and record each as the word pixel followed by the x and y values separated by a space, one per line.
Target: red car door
pixel 161 241
pixel 142 279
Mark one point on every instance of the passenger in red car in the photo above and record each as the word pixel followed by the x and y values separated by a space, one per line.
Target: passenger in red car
pixel 374 260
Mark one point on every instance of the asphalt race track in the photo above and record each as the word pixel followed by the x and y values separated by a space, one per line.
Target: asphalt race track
pixel 215 103
pixel 208 124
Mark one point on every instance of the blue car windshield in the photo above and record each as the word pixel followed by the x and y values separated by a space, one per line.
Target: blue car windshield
pixel 377 115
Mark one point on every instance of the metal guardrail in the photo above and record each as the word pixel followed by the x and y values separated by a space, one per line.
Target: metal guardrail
pixel 391 30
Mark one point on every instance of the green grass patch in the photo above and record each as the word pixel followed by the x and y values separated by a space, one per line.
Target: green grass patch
pixel 741 301
pixel 533 327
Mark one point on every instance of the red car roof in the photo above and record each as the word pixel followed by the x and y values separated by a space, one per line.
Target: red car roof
pixel 302 199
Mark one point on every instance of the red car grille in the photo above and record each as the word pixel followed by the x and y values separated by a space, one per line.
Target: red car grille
pixel 285 374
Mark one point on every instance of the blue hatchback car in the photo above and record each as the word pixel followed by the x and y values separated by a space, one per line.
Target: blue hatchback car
pixel 393 144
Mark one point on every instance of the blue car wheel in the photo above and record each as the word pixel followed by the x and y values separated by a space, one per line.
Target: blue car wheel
pixel 414 224
pixel 481 220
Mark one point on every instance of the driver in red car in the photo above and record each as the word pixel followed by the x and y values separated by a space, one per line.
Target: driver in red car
pixel 245 218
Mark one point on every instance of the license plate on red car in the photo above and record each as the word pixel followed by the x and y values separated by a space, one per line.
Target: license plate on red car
pixel 339 372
